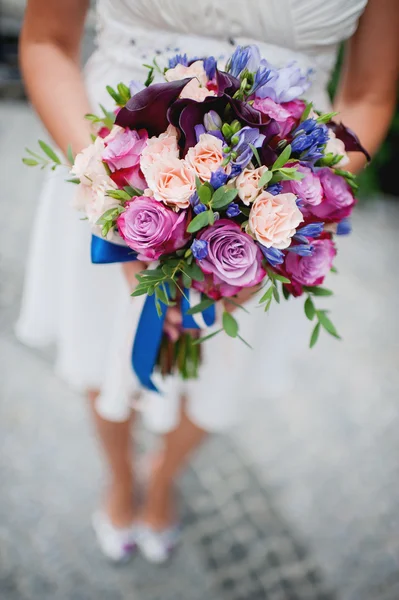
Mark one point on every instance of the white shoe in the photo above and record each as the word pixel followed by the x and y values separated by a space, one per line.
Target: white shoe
pixel 117 544
pixel 157 546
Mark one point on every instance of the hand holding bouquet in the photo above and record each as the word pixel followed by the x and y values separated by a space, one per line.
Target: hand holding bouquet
pixel 228 179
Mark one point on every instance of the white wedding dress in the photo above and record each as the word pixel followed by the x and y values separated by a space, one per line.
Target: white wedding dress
pixel 86 309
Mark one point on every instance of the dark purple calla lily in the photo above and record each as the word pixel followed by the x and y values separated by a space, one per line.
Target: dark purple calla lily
pixel 226 83
pixel 148 109
pixel 349 138
pixel 185 114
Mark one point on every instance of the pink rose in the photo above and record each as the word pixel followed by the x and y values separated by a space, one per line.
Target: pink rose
pixel 295 108
pixel 273 219
pixel 157 147
pixel 247 184
pixel 336 147
pixel 172 181
pixel 206 156
pixel 233 260
pixel 275 111
pixel 307 189
pixel 122 152
pixel 311 270
pixel 152 229
pixel 338 199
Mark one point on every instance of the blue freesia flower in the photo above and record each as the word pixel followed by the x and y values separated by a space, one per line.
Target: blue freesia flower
pixel 233 210
pixel 284 84
pixel 262 76
pixel 199 208
pixel 275 189
pixel 313 230
pixel 218 178
pixel 302 249
pixel 179 59
pixel 310 139
pixel 235 170
pixel 199 248
pixel 212 121
pixel 210 66
pixel 273 255
pixel 246 137
pixel 199 130
pixel 344 227
pixel 244 58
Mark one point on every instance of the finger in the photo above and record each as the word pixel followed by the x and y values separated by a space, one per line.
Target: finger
pixel 173 316
pixel 171 331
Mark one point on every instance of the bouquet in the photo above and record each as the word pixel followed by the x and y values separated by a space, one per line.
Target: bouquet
pixel 225 179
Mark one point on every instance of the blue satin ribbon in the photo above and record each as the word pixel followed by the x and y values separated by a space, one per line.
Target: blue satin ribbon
pixel 150 326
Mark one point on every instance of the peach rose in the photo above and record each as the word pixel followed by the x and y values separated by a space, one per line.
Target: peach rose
pixel 88 165
pixel 206 156
pixel 273 219
pixel 159 147
pixel 247 184
pixel 337 147
pixel 172 181
pixel 194 91
pixel 196 69
pixel 93 200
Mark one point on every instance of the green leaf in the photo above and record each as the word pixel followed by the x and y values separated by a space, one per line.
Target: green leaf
pixel 279 277
pixel 150 76
pixel 70 155
pixel 244 342
pixel 187 281
pixel 306 112
pixel 315 335
pixel 205 193
pixel 194 272
pixel 318 291
pixel 139 291
pixel 114 95
pixel 310 310
pixel 30 162
pixel 73 180
pixel 326 117
pixel 206 337
pixel 286 293
pixel 334 270
pixel 283 158
pixel 230 325
pixel 256 154
pixel 327 324
pixel 118 194
pixel 124 92
pixel 267 295
pixel 276 294
pixel 201 306
pixel 133 191
pixel 199 221
pixel 266 177
pixel 223 196
pixel 291 173
pixel 49 151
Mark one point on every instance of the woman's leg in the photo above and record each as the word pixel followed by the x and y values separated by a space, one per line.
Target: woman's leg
pixel 115 442
pixel 159 509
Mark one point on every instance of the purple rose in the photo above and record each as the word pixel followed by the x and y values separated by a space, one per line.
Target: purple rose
pixel 152 229
pixel 307 189
pixel 338 199
pixel 311 270
pixel 233 261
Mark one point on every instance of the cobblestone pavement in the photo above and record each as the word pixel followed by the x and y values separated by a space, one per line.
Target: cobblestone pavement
pixel 300 502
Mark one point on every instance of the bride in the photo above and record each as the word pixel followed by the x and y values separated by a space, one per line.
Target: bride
pixel 84 308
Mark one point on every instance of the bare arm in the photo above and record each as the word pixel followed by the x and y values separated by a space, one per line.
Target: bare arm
pixel 366 96
pixel 50 60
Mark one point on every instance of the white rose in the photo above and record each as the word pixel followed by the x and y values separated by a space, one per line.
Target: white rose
pixel 337 147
